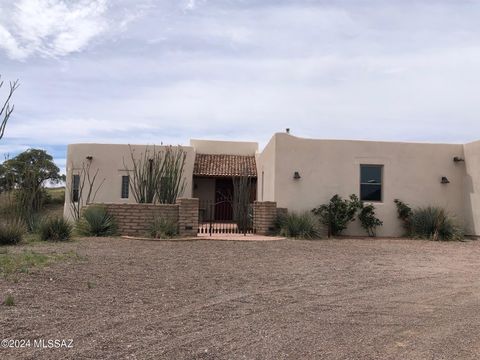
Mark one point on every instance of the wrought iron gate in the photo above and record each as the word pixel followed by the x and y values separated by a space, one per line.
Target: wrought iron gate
pixel 219 218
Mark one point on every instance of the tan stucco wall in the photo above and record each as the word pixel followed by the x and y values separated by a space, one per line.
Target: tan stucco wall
pixel 412 173
pixel 472 186
pixel 109 159
pixel 224 147
pixel 266 172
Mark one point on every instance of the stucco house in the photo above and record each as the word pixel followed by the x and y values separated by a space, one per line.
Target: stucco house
pixel 300 174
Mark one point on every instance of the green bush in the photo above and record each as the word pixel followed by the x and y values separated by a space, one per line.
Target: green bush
pixel 404 213
pixel 96 221
pixel 434 223
pixel 11 232
pixel 338 213
pixel 430 222
pixel 298 226
pixel 368 219
pixel 55 229
pixel 162 228
pixel 9 300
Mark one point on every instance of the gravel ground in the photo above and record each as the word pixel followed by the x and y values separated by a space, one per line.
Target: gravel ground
pixel 329 299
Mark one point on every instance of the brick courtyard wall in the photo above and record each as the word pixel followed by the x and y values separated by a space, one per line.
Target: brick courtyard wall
pixel 187 217
pixel 135 219
pixel 264 216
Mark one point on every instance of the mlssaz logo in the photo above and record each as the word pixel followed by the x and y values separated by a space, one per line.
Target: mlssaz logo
pixel 53 344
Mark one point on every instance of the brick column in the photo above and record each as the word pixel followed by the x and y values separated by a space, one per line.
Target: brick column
pixel 264 216
pixel 187 217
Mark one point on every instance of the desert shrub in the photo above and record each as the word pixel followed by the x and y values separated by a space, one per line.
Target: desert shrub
pixel 299 226
pixel 96 221
pixel 9 300
pixel 162 228
pixel 434 223
pixel 338 213
pixel 368 219
pixel 55 229
pixel 11 232
pixel 404 213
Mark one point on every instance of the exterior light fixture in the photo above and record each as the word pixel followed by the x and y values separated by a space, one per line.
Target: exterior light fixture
pixel 296 175
pixel 458 159
pixel 89 157
pixel 445 180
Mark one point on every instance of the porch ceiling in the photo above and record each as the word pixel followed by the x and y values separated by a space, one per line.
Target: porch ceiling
pixel 224 165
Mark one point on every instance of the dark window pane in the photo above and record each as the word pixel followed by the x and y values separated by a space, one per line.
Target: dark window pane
pixel 370 192
pixel 125 186
pixel 75 187
pixel 371 174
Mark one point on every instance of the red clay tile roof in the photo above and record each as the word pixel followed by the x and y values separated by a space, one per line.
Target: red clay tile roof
pixel 224 165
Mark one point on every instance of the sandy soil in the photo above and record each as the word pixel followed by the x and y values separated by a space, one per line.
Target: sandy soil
pixel 335 299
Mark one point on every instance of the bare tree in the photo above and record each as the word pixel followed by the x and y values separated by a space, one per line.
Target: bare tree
pixel 7 109
pixel 86 190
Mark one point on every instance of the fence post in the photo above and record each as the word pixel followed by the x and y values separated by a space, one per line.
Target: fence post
pixel 188 217
pixel 264 216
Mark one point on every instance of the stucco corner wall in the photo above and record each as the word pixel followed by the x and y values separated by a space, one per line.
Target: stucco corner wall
pixel 472 187
pixel 266 172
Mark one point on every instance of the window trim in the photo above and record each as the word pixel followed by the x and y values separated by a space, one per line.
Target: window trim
pixel 381 183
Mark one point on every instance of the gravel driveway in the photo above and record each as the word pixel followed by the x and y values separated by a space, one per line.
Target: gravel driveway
pixel 329 299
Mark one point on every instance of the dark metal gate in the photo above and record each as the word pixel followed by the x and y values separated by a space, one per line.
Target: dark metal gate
pixel 217 217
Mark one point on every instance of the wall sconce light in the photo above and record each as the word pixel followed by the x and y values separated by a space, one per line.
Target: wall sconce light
pixel 296 175
pixel 89 157
pixel 445 180
pixel 458 159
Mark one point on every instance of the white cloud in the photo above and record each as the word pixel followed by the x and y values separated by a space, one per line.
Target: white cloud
pixel 50 28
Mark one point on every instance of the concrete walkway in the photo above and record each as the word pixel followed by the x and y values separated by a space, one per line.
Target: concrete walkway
pixel 238 237
pixel 216 237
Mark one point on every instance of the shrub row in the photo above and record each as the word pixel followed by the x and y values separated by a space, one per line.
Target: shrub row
pixel 426 223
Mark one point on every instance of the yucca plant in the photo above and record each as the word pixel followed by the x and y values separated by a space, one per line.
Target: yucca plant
pixel 96 221
pixel 434 223
pixel 55 229
pixel 162 228
pixel 298 226
pixel 11 232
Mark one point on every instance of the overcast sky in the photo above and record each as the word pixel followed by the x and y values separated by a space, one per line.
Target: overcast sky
pixel 145 71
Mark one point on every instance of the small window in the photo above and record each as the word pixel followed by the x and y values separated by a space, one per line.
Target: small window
pixel 371 178
pixel 75 188
pixel 125 186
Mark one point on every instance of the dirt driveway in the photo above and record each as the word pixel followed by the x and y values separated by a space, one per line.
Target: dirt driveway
pixel 336 299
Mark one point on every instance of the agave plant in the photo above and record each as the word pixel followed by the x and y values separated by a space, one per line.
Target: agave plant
pixel 96 221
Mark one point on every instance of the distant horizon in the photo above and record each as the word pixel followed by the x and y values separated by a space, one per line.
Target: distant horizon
pixel 144 71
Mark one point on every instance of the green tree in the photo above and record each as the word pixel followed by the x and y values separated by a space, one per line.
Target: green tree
pixel 7 108
pixel 28 173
